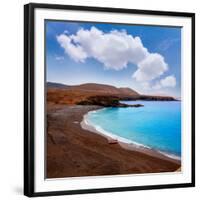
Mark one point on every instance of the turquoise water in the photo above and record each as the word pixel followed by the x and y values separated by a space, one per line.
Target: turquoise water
pixel 156 125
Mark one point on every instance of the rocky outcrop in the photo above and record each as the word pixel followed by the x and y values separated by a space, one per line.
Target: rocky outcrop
pixel 156 98
pixel 106 101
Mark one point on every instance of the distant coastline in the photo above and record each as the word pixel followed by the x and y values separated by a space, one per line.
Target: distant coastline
pixel 96 94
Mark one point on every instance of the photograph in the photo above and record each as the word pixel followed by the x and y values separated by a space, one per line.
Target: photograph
pixel 108 99
pixel 112 99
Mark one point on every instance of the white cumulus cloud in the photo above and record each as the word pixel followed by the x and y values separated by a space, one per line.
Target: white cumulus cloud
pixel 150 68
pixel 169 81
pixel 114 49
pixel 76 52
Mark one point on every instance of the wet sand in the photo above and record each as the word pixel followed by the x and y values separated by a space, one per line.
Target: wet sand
pixel 73 151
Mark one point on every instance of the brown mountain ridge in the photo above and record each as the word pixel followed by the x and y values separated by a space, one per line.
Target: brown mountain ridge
pixel 76 94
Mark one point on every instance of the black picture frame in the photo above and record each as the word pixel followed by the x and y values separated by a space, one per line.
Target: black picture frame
pixel 29 83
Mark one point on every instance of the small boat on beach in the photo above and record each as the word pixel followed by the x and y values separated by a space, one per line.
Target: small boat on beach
pixel 112 141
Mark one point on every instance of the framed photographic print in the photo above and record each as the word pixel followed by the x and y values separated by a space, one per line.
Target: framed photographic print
pixel 108 99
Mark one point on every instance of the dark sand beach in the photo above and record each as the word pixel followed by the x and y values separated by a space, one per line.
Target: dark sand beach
pixel 73 151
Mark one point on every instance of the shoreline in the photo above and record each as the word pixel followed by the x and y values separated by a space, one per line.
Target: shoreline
pixel 126 143
pixel 76 152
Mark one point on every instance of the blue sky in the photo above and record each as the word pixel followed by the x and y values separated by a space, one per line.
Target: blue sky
pixel 144 58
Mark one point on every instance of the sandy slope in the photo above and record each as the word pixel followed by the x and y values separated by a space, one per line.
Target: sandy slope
pixel 72 151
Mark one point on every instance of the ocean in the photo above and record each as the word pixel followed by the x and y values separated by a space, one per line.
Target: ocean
pixel 157 125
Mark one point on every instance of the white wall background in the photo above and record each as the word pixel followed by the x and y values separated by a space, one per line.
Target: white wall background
pixel 11 98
